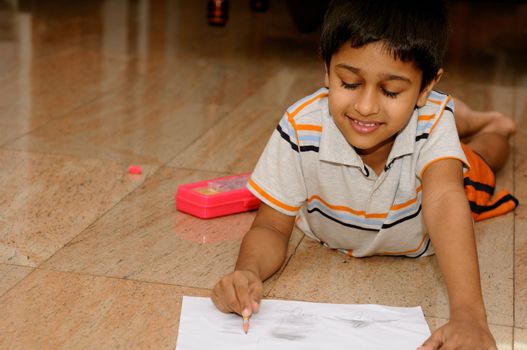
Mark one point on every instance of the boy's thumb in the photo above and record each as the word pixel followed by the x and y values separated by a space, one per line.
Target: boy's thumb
pixel 432 343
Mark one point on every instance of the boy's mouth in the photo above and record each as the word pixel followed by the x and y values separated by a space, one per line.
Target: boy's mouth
pixel 363 127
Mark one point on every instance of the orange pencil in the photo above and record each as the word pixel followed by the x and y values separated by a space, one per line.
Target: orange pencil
pixel 246 324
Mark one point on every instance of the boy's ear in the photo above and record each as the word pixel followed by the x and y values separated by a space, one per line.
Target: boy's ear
pixel 423 95
pixel 326 76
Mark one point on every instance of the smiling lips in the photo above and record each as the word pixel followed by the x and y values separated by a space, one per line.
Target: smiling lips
pixel 363 127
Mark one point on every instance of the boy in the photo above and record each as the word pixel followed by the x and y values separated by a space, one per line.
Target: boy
pixel 373 164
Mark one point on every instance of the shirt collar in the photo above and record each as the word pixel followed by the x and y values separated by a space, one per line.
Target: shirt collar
pixel 334 147
pixel 405 141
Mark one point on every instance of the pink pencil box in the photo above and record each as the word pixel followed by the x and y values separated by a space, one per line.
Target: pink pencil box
pixel 216 197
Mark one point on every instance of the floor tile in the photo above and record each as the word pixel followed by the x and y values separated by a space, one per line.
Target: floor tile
pixel 112 128
pixel 47 200
pixel 214 82
pixel 8 131
pixel 495 241
pixel 40 90
pixel 55 310
pixel 520 339
pixel 520 240
pixel 145 238
pixel 393 281
pixel 11 275
pixel 502 334
pixel 150 117
pixel 235 144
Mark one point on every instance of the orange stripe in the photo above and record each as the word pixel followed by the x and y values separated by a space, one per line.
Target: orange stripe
pixel 309 127
pixel 407 251
pixel 440 115
pixel 426 117
pixel 291 116
pixel 362 212
pixel 303 105
pixel 343 208
pixel 435 101
pixel 406 204
pixel 271 199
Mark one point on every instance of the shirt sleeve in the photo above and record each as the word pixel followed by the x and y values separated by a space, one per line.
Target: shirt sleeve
pixel 277 179
pixel 442 141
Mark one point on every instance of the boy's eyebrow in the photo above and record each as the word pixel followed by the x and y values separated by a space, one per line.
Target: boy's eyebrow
pixel 384 76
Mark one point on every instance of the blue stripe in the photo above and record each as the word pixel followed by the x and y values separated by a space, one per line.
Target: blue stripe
pixel 423 127
pixel 287 128
pixel 313 138
pixel 348 218
pixel 394 216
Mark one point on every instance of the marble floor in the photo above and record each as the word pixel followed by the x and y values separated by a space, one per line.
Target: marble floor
pixel 93 257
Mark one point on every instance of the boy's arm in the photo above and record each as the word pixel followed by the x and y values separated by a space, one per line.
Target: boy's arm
pixel 262 253
pixel 449 223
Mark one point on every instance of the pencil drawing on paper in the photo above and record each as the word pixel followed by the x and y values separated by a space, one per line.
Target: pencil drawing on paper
pixel 294 324
pixel 301 325
pixel 359 321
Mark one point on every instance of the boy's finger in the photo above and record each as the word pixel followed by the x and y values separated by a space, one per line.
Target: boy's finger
pixel 256 296
pixel 433 342
pixel 241 288
pixel 218 301
pixel 227 295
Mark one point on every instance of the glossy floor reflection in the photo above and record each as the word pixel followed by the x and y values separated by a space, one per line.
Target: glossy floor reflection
pixel 92 257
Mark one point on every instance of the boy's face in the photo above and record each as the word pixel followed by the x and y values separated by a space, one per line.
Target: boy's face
pixel 372 96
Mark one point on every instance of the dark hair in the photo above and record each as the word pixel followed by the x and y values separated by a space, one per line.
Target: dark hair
pixel 412 30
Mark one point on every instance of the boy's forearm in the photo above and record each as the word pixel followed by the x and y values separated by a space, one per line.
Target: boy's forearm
pixel 263 251
pixel 453 238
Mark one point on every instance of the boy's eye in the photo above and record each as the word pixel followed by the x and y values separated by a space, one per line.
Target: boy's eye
pixel 350 86
pixel 389 94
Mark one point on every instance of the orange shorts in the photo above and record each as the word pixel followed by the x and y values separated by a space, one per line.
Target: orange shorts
pixel 479 187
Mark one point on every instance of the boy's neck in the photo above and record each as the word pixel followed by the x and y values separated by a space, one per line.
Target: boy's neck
pixel 376 158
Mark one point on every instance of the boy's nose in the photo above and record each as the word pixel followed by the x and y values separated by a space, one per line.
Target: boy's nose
pixel 366 103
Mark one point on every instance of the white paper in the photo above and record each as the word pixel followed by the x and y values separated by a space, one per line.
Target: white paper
pixel 295 325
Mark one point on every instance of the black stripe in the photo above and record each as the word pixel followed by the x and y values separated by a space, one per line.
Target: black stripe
pixel 478 186
pixel 478 209
pixel 308 148
pixel 424 251
pixel 340 222
pixel 384 226
pixel 422 136
pixel 418 255
pixel 403 219
pixel 375 230
pixel 294 146
pixel 449 109
pixel 440 92
pixel 286 137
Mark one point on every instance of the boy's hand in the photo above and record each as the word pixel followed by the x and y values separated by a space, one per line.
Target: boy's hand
pixel 239 292
pixel 461 333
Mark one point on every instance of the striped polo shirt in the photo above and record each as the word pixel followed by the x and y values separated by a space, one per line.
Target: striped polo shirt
pixel 309 170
